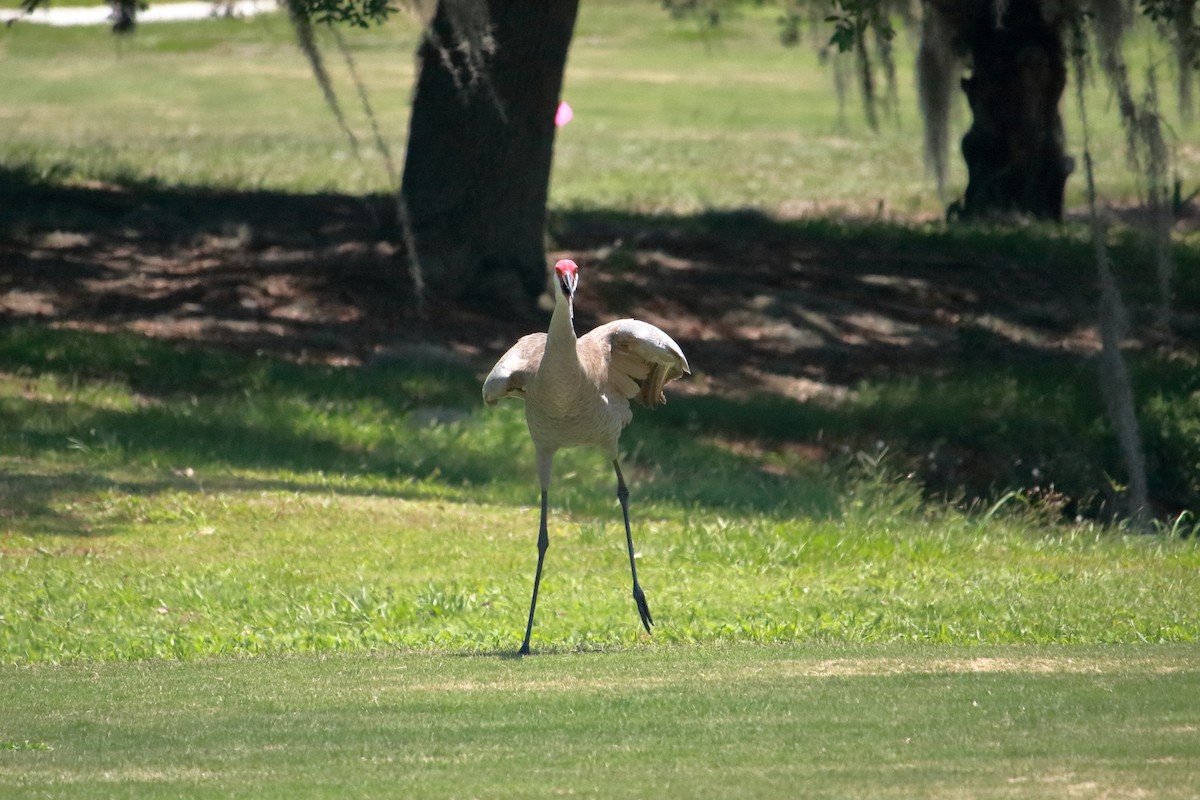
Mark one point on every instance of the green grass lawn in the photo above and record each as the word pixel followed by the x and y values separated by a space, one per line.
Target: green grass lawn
pixel 227 574
pixel 670 115
pixel 739 721
pixel 165 501
pixel 230 575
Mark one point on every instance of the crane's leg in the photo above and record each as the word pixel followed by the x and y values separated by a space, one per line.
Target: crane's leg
pixel 543 543
pixel 545 465
pixel 638 595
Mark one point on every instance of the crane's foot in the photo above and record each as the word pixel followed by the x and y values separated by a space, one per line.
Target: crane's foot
pixel 644 610
pixel 524 651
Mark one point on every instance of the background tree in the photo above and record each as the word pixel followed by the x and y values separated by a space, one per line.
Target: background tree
pixel 480 146
pixel 1017 52
pixel 1015 148
pixel 1010 59
pixel 472 198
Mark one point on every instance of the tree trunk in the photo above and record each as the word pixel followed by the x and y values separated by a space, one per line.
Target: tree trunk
pixel 481 140
pixel 1014 150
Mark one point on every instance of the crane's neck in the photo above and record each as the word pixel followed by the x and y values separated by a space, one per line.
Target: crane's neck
pixel 561 382
pixel 560 338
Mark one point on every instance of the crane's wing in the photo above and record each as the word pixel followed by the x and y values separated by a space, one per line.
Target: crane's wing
pixel 507 378
pixel 638 359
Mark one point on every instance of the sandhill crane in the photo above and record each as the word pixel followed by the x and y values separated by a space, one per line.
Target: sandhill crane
pixel 577 393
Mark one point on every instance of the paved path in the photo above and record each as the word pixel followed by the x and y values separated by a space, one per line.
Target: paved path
pixel 157 12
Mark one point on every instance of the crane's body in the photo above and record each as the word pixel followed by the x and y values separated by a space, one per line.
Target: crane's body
pixel 577 393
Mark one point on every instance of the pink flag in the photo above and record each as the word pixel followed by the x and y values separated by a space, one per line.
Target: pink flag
pixel 563 115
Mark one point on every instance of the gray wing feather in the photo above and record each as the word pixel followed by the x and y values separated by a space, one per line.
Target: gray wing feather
pixel 642 359
pixel 508 377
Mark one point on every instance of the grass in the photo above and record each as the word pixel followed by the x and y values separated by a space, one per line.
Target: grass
pixel 227 574
pixel 152 511
pixel 669 116
pixel 841 722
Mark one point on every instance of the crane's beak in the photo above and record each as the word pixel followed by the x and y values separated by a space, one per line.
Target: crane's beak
pixel 570 306
pixel 567 275
pixel 568 281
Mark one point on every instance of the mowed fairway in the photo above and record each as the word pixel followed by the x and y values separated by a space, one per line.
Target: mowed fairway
pixel 754 722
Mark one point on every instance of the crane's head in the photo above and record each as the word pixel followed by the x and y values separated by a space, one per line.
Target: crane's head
pixel 566 273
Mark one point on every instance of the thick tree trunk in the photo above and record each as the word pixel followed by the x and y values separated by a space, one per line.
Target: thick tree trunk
pixel 1014 149
pixel 480 145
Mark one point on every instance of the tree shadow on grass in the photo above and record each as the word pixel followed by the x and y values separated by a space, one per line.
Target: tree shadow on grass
pixel 319 277
pixel 222 439
pixel 246 294
pixel 43 503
